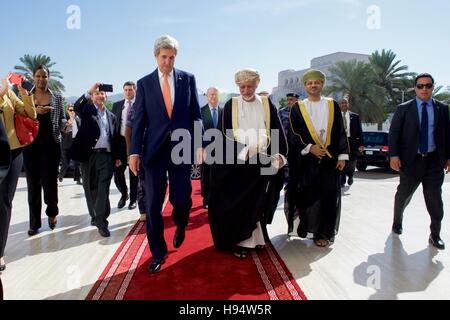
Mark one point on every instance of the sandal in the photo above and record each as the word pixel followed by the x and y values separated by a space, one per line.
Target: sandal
pixel 241 253
pixel 321 242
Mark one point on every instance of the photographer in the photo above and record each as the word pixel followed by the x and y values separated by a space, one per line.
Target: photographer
pixel 94 147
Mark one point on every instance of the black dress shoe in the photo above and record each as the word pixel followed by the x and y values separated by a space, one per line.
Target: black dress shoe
pixel 92 222
pixel 397 228
pixel 437 242
pixel 104 232
pixel 302 233
pixel 155 265
pixel 33 232
pixel 52 223
pixel 132 205
pixel 178 238
pixel 122 201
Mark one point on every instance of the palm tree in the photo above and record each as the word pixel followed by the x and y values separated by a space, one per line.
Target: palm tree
pixel 354 80
pixel 31 62
pixel 388 73
pixel 443 96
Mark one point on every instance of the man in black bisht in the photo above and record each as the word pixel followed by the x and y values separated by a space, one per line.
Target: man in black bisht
pixel 318 150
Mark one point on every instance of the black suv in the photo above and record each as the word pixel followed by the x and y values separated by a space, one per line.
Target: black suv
pixel 376 150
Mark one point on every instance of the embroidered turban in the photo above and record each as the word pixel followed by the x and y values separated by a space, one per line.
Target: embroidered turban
pixel 314 75
pixel 247 75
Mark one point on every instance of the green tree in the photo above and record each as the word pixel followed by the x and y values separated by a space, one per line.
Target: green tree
pixel 354 80
pixel 389 74
pixel 109 105
pixel 31 62
pixel 443 96
pixel 282 102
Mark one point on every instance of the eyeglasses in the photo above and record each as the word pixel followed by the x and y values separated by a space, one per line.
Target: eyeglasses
pixel 426 85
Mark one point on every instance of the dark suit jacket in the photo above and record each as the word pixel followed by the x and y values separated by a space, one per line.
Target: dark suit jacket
pixel 121 142
pixel 89 131
pixel 66 134
pixel 152 125
pixel 5 154
pixel 356 135
pixel 207 119
pixel 404 134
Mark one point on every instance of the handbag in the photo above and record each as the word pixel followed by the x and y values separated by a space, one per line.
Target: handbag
pixel 26 129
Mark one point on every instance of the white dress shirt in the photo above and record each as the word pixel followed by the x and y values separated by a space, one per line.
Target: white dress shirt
pixel 346 118
pixel 125 115
pixel 103 141
pixel 319 113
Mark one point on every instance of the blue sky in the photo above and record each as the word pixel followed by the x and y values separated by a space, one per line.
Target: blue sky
pixel 217 38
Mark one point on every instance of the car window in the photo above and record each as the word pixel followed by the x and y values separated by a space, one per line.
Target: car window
pixel 375 139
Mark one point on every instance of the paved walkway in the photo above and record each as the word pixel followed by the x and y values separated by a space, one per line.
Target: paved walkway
pixel 365 262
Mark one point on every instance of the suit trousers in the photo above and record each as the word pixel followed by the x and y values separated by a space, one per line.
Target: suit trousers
pixel 97 174
pixel 157 173
pixel 205 182
pixel 430 173
pixel 7 191
pixel 41 162
pixel 141 189
pixel 121 184
pixel 348 171
pixel 65 162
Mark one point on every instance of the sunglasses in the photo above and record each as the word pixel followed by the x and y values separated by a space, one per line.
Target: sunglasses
pixel 426 85
pixel 70 110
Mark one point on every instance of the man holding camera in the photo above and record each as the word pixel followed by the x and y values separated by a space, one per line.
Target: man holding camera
pixel 94 147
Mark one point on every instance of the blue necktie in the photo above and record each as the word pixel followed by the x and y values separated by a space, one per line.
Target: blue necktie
pixel 214 117
pixel 424 129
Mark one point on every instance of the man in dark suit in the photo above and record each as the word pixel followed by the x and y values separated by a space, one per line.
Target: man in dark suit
pixel 353 130
pixel 121 110
pixel 419 148
pixel 5 160
pixel 166 105
pixel 94 147
pixel 282 177
pixel 210 117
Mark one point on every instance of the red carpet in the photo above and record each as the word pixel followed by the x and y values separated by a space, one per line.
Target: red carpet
pixel 196 271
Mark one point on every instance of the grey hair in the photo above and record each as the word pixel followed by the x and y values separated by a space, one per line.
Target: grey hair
pixel 247 75
pixel 166 42
pixel 212 88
